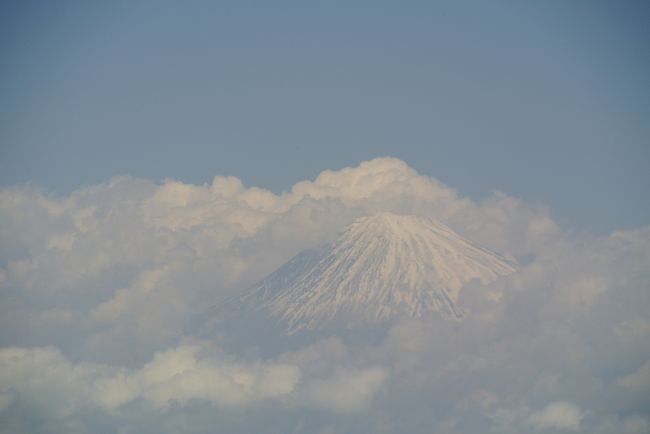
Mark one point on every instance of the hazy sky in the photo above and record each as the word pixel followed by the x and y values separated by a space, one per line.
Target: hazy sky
pixel 544 100
pixel 160 157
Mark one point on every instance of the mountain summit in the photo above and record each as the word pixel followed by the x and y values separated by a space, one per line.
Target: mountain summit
pixel 380 267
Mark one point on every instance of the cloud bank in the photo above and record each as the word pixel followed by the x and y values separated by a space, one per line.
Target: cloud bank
pixel 103 292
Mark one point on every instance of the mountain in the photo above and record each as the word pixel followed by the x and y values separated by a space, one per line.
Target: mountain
pixel 380 267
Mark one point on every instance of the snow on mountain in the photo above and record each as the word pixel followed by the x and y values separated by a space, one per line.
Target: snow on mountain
pixel 380 267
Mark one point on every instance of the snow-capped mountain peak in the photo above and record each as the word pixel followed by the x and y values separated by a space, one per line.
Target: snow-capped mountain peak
pixel 380 267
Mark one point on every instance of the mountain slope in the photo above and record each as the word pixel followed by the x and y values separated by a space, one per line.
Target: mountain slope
pixel 380 267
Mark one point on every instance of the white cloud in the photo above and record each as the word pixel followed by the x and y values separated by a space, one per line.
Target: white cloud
pixel 632 329
pixel 100 243
pixel 121 274
pixel 638 380
pixel 558 414
pixel 180 375
pixel 634 424
pixel 45 380
pixel 585 291
pixel 348 390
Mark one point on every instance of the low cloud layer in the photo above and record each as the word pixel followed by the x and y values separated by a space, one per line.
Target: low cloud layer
pixel 104 290
pixel 46 380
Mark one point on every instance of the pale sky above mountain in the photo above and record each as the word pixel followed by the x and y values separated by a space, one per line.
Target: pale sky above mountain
pixel 158 158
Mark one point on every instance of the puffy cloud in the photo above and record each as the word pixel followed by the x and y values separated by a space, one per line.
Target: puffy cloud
pixel 634 424
pixel 49 384
pixel 46 380
pixel 179 375
pixel 94 250
pixel 109 284
pixel 632 329
pixel 638 380
pixel 558 414
pixel 348 390
pixel 134 220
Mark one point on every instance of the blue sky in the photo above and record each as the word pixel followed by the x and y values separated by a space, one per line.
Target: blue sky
pixel 547 101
